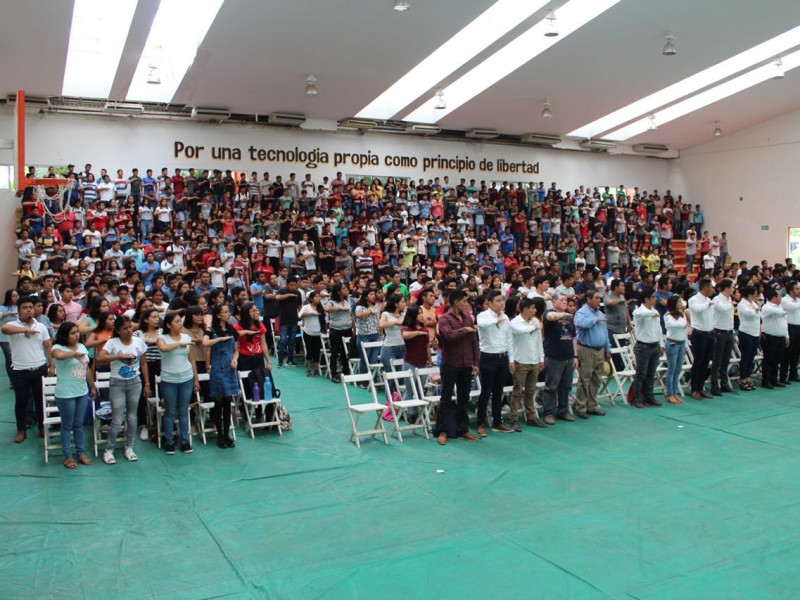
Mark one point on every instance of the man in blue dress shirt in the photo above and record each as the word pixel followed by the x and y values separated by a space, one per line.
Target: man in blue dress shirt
pixel 592 350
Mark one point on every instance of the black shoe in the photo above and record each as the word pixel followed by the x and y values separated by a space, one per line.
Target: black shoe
pixel 535 423
pixel 652 403
pixel 280 365
pixel 726 389
pixel 229 443
pixel 716 392
pixel 637 404
pixel 411 419
pixel 336 380
pixel 785 382
pixel 186 448
pixel 601 413
pixel 767 386
pixel 291 363
pixel 221 443
pixel 779 384
pixel 583 416
pixel 170 449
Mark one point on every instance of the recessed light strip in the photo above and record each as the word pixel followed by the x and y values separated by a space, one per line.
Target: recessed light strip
pixel 490 26
pixel 703 99
pixel 96 39
pixel 170 50
pixel 571 17
pixel 691 84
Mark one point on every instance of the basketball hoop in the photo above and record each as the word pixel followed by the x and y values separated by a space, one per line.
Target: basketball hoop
pixel 51 191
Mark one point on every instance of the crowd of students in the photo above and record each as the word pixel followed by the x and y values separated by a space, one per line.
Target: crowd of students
pixel 184 274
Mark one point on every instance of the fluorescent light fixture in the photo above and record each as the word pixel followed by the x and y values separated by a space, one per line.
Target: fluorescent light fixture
pixel 311 86
pixel 440 103
pixel 669 47
pixel 717 129
pixel 96 40
pixel 524 48
pixel 173 52
pixel 691 84
pixel 777 69
pixel 547 112
pixel 490 26
pixel 552 26
pixel 401 5
pixel 703 99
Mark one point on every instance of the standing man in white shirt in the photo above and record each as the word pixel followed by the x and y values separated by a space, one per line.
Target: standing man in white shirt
pixel 649 347
pixel 30 344
pixel 774 339
pixel 526 359
pixel 722 308
pixel 702 339
pixel 791 305
pixel 494 331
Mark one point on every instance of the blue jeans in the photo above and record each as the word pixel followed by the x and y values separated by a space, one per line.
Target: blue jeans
pixel 387 354
pixel 675 354
pixel 372 352
pixel 177 397
pixel 71 411
pixel 146 226
pixel 286 342
pixel 124 395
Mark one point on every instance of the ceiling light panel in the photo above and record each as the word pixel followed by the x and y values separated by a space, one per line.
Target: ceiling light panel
pixel 757 54
pixel 571 17
pixel 490 26
pixel 703 99
pixel 173 52
pixel 96 39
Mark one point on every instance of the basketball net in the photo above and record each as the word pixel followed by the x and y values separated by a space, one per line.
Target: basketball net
pixel 53 194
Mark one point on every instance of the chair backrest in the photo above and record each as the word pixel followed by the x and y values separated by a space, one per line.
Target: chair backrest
pixel 365 347
pixel 397 364
pixel 243 375
pixel 405 377
pixel 365 378
pixel 622 339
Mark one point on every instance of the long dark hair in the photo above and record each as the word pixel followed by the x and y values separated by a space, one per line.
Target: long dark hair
pixel 143 327
pixel 217 325
pixel 244 317
pixel 118 324
pixel 62 334
pixel 672 306
pixel 94 308
pixel 410 320
pixel 7 298
pixel 191 312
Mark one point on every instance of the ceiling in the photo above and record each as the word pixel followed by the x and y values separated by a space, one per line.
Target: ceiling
pixel 258 53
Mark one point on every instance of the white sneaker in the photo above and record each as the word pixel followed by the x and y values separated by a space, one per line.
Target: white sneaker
pixel 131 455
pixel 108 457
pixel 144 434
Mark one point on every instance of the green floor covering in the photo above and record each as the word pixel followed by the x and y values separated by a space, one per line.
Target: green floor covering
pixel 693 502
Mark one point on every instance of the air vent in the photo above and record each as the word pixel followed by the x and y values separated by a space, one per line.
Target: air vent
pixel 124 108
pixel 358 123
pixel 598 145
pixel 420 129
pixel 481 134
pixel 540 138
pixel 650 148
pixel 286 119
pixel 212 114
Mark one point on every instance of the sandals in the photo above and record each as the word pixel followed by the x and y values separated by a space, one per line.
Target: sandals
pixel 70 463
pixel 84 460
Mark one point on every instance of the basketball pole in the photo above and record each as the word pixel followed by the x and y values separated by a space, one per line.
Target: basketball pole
pixel 19 139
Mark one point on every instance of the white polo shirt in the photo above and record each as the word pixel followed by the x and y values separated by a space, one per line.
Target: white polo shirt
pixel 701 313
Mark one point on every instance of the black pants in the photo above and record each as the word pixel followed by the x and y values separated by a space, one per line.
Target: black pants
pixel 338 351
pixel 493 371
pixel 723 347
pixel 702 351
pixel 454 418
pixel 647 356
pixel 789 365
pixel 774 351
pixel 27 386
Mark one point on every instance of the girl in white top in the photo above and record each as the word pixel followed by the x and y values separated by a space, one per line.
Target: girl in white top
pixel 178 380
pixel 125 355
pixel 312 330
pixel 675 348
pixel 394 346
pixel 289 253
pixel 749 333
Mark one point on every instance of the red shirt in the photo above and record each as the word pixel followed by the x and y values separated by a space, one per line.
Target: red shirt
pixel 417 353
pixel 250 345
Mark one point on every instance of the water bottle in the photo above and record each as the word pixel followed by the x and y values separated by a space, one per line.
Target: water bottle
pixel 256 393
pixel 267 388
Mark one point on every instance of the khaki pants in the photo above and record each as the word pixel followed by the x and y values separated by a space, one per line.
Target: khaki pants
pixel 525 378
pixel 590 372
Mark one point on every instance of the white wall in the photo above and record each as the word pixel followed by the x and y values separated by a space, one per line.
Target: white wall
pixel 114 142
pixel 8 226
pixel 745 181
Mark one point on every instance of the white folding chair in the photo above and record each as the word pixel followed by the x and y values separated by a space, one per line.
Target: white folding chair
pixel 52 419
pixel 356 409
pixel 203 409
pixel 621 376
pixel 325 355
pixel 99 425
pixel 623 339
pixel 255 419
pixel 428 391
pixel 353 361
pixel 271 334
pixel 400 408
pixel 376 368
